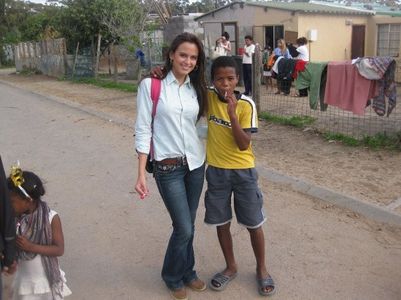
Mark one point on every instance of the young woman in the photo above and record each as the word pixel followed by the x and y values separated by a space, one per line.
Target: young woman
pixel 281 49
pixel 178 152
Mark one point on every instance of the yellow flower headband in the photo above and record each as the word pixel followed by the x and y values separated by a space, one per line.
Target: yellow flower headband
pixel 18 179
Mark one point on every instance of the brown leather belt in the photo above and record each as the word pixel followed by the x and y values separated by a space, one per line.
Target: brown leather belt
pixel 176 161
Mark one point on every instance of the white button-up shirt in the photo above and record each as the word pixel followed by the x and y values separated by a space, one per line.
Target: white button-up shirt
pixel 250 50
pixel 174 127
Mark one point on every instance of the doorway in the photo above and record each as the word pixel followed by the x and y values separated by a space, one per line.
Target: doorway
pixel 358 41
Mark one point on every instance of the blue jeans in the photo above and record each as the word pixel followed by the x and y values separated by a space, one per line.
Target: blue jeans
pixel 180 190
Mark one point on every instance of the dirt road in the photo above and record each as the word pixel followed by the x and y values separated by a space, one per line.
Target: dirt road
pixel 115 243
pixel 371 176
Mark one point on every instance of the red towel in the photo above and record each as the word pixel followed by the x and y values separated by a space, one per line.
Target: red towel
pixel 347 89
pixel 299 67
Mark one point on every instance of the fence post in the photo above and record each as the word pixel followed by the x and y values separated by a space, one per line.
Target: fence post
pixel 99 39
pixel 257 64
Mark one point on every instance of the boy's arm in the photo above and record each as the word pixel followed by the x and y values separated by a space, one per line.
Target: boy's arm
pixel 241 137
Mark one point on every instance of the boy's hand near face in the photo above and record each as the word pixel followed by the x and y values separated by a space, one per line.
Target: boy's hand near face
pixel 231 105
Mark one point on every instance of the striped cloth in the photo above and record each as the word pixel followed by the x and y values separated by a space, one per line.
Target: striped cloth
pixel 384 67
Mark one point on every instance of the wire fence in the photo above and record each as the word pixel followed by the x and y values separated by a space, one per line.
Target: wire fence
pixel 333 119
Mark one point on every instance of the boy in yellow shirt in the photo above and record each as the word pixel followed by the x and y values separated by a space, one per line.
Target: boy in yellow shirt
pixel 232 118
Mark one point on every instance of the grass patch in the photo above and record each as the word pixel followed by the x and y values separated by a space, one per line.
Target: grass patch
pixel 7 66
pixel 381 140
pixel 345 139
pixel 295 121
pixel 378 141
pixel 108 84
pixel 29 72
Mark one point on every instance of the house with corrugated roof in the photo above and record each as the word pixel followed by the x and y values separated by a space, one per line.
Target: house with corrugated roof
pixel 334 32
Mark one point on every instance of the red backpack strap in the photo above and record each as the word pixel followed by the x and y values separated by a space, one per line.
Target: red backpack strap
pixel 155 88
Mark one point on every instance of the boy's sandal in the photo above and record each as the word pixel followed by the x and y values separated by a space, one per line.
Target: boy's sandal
pixel 220 281
pixel 197 285
pixel 180 294
pixel 266 283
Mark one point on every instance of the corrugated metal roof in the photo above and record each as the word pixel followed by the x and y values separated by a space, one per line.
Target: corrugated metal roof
pixel 379 9
pixel 302 7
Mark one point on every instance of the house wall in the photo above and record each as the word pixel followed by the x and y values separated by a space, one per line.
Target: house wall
pixel 333 35
pixel 179 24
pixel 373 23
pixel 250 20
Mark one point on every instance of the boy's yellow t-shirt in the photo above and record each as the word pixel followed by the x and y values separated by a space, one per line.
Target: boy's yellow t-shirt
pixel 221 148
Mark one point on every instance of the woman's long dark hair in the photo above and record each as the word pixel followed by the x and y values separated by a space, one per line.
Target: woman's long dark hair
pixel 197 75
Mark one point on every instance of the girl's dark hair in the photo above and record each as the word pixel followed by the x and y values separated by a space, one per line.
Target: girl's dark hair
pixel 302 41
pixel 249 37
pixel 226 35
pixel 32 185
pixel 224 62
pixel 197 75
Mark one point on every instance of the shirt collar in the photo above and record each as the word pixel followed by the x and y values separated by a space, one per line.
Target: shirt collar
pixel 171 79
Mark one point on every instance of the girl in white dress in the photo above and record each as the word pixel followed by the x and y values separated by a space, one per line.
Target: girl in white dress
pixel 39 239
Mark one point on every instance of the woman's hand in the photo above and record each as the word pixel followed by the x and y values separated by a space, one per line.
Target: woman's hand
pixel 24 244
pixel 141 187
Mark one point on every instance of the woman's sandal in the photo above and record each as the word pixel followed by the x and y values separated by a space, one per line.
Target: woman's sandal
pixel 220 281
pixel 266 283
pixel 197 285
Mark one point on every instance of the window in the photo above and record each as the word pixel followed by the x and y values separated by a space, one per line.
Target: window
pixel 272 34
pixel 388 39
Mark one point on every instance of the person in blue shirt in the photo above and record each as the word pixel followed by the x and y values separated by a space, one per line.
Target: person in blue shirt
pixel 281 49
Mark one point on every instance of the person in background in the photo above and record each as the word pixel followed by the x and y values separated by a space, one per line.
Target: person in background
pixel 303 54
pixel 7 230
pixel 226 44
pixel 281 49
pixel 249 50
pixel 302 49
pixel 267 73
pixel 223 45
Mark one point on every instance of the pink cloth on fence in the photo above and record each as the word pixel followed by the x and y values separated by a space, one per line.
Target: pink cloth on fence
pixel 347 89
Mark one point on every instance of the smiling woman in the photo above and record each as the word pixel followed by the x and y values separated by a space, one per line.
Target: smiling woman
pixel 178 152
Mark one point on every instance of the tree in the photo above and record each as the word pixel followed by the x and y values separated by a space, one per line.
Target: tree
pixel 124 20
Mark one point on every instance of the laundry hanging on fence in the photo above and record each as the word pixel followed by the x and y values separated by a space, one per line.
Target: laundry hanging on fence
pixel 314 79
pixel 383 70
pixel 300 66
pixel 347 89
pixel 286 67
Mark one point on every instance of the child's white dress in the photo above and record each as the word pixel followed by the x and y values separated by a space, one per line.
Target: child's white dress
pixel 30 282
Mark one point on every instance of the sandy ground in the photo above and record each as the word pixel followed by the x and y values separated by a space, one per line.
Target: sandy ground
pixel 368 175
pixel 115 242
